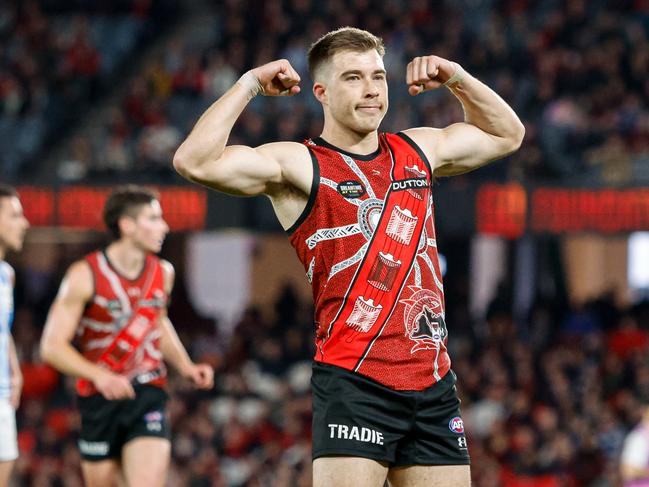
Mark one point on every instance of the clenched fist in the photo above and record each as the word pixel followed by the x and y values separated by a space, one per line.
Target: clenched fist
pixel 114 386
pixel 428 73
pixel 277 78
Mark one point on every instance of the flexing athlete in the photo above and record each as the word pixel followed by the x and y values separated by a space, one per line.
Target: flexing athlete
pixel 114 301
pixel 13 226
pixel 357 205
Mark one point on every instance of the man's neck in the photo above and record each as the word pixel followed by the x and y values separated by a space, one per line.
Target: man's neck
pixel 3 252
pixel 350 141
pixel 126 258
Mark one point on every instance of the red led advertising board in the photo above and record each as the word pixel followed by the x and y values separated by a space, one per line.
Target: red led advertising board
pixel 81 206
pixel 505 210
pixel 603 211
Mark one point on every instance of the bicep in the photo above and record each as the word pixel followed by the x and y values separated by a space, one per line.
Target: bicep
pixel 241 170
pixel 67 308
pixel 462 147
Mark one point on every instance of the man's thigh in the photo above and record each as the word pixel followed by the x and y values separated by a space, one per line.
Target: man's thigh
pixel 430 476
pixel 348 472
pixel 145 461
pixel 5 472
pixel 102 473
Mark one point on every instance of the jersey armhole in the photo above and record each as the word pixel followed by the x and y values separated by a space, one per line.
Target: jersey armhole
pixel 91 299
pixel 315 185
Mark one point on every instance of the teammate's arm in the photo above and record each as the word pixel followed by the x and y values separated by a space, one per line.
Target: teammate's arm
pixel 204 156
pixel 62 321
pixel 490 130
pixel 173 351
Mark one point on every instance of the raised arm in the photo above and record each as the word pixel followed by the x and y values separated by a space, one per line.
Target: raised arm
pixel 62 321
pixel 204 156
pixel 490 130
pixel 173 351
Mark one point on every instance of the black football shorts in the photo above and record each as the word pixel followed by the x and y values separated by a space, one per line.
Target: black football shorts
pixel 356 416
pixel 106 426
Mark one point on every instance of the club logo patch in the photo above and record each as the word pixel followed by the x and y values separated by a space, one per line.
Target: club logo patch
pixel 351 189
pixel 456 425
pixel 424 319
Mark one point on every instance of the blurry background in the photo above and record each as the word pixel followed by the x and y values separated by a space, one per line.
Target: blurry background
pixel 547 268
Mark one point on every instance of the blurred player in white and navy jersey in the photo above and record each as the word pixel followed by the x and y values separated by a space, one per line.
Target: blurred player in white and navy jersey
pixel 13 226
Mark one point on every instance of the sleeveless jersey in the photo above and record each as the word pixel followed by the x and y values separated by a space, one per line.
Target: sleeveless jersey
pixel 367 242
pixel 6 319
pixel 112 305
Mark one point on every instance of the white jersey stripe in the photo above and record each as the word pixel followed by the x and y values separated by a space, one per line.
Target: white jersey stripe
pixel 357 170
pixel 115 283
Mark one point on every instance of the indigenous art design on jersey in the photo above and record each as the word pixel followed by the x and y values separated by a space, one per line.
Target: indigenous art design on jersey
pixel 117 303
pixel 367 243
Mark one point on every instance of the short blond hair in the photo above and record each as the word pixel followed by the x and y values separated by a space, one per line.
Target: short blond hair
pixel 343 39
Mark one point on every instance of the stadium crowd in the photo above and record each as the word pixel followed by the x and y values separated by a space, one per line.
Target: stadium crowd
pixel 56 58
pixel 574 71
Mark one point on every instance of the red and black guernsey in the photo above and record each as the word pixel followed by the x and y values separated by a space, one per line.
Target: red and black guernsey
pixel 115 302
pixel 367 242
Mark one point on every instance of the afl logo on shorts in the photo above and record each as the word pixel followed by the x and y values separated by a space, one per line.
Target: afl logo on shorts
pixel 351 189
pixel 153 421
pixel 456 425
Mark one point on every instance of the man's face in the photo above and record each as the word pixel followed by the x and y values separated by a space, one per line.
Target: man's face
pixel 13 223
pixel 147 229
pixel 356 91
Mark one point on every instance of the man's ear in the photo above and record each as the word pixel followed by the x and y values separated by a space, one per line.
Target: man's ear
pixel 320 92
pixel 126 225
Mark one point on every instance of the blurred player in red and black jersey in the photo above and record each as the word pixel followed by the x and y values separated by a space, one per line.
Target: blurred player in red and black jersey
pixel 114 303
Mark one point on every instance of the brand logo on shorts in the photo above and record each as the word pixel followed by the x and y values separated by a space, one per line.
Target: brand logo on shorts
pixel 365 435
pixel 461 443
pixel 153 421
pixel 97 448
pixel 456 425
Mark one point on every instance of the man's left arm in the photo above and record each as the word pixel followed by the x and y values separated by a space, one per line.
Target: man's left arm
pixel 16 375
pixel 173 351
pixel 16 379
pixel 491 129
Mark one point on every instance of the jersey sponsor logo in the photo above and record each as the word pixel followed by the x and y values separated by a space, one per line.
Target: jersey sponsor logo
pixel 151 303
pixel 412 183
pixel 351 189
pixel 424 319
pixel 362 434
pixel 456 425
pixel 97 448
pixel 113 305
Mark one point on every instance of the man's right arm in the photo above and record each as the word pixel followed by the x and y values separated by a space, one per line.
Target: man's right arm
pixel 61 325
pixel 204 156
